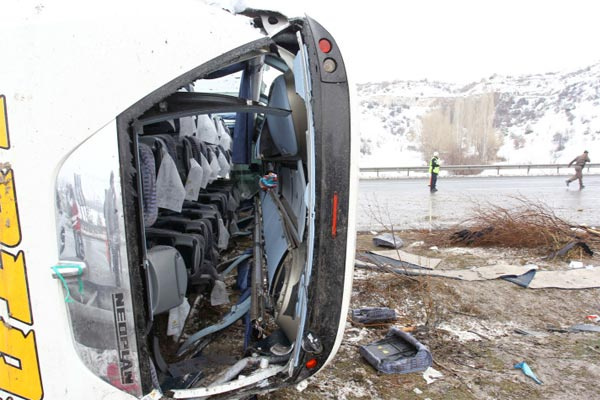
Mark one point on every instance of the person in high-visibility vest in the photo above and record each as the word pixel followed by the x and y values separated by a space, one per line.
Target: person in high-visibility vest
pixel 434 170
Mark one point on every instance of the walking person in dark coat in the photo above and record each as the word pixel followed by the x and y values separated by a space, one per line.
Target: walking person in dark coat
pixel 579 162
pixel 434 170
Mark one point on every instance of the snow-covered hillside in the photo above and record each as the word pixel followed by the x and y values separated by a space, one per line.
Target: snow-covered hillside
pixel 544 118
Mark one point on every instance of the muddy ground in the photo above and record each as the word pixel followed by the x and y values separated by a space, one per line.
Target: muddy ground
pixel 470 330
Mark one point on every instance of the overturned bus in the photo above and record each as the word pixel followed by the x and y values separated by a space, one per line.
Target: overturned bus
pixel 177 200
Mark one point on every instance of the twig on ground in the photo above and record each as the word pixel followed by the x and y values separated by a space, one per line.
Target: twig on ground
pixel 592 349
pixel 479 334
pixel 466 314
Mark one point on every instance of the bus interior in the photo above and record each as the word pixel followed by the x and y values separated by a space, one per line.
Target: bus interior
pixel 221 175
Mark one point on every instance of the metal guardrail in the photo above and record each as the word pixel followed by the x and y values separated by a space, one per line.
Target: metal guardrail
pixel 528 167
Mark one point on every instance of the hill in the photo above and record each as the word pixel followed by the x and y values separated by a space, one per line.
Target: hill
pixel 542 118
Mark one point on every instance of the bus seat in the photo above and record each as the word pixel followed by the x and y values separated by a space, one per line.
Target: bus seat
pixel 168 278
pixel 284 136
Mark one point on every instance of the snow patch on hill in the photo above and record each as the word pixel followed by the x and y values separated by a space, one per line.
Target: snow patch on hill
pixel 541 118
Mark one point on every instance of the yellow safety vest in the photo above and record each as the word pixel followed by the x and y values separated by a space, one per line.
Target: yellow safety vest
pixel 435 170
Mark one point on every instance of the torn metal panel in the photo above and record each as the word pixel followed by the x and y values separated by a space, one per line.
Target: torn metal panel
pixel 399 258
pixel 585 328
pixel 521 280
pixel 480 273
pixel 563 252
pixel 388 240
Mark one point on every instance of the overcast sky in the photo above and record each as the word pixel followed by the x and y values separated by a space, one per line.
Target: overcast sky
pixel 455 40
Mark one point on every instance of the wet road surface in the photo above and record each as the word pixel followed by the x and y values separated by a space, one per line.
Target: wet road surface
pixel 408 204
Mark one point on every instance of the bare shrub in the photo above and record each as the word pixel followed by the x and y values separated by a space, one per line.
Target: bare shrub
pixel 527 225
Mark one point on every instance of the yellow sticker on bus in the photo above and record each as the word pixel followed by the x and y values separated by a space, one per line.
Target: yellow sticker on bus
pixel 19 364
pixel 10 234
pixel 4 143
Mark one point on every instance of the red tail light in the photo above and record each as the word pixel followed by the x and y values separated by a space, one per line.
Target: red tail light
pixel 325 45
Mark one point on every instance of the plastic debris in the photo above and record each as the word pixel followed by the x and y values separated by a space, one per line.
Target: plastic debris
pixel 369 315
pixel 388 240
pixel 300 387
pixel 527 371
pixel 219 295
pixel 177 317
pixel 361 334
pixel 417 391
pixel 431 375
pixel 563 252
pixel 593 318
pixel 397 353
pixel 575 265
pixel 268 181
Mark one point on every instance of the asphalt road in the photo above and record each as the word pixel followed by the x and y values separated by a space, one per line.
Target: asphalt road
pixel 408 204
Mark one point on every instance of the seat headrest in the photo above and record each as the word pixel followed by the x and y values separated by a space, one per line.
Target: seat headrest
pixel 207 131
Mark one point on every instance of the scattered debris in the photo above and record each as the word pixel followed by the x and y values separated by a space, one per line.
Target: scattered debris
pixel 557 329
pixel 361 334
pixel 417 391
pixel 527 371
pixel 570 246
pixel 369 315
pixel 364 264
pixel 475 331
pixel 434 248
pixel 527 276
pixel 402 259
pixel 398 352
pixel 177 317
pixel 269 181
pixel 431 375
pixel 527 332
pixel 219 295
pixel 302 385
pixel 461 335
pixel 388 240
pixel 593 318
pixel 585 328
pixel 522 280
pixel 469 236
pixel 575 265
pixel 479 273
